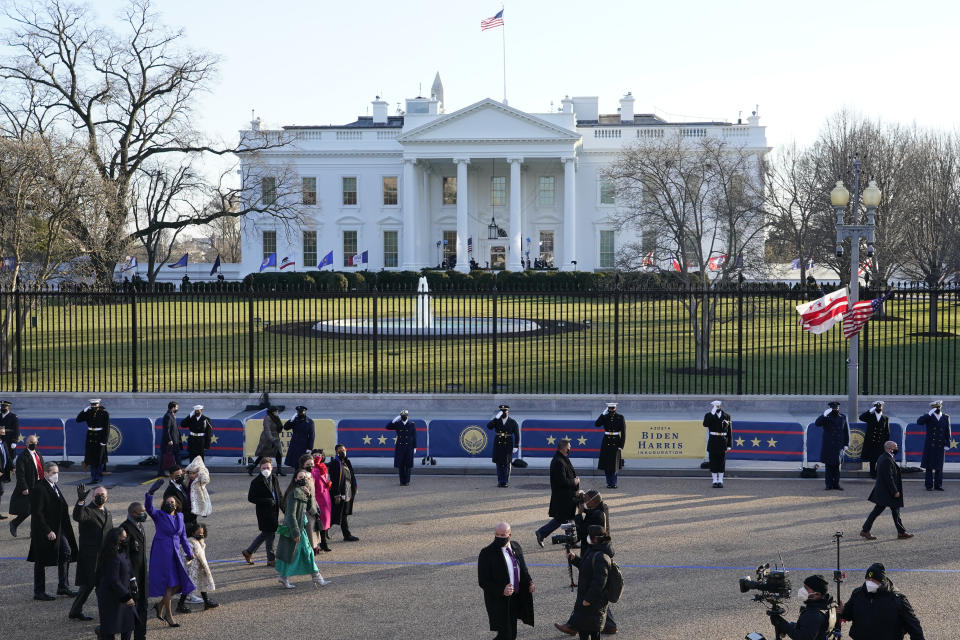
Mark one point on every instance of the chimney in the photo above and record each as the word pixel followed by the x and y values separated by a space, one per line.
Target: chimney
pixel 626 108
pixel 566 105
pixel 379 111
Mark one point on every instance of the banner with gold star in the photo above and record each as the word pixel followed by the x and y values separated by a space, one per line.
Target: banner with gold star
pixel 51 436
pixel 369 437
pixel 665 439
pixel 127 437
pixel 916 437
pixel 782 441
pixel 540 438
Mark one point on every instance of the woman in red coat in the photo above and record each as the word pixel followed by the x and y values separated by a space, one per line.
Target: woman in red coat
pixel 321 484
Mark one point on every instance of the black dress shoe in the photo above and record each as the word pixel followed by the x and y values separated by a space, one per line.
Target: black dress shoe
pixel 43 596
pixel 539 539
pixel 182 608
pixel 2 517
pixel 938 488
pixel 67 591
pixel 80 616
pixel 351 539
pixel 13 529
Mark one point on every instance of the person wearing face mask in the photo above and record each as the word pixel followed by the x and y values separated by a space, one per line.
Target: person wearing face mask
pixel 405 446
pixel 199 570
pixel 506 442
pixel 564 484
pixel 137 554
pixel 878 611
pixel 29 470
pixel 116 588
pixel 321 491
pixel 269 445
pixel 9 437
pixel 295 557
pixel 937 441
pixel 818 614
pixel 198 477
pixel 199 432
pixel 171 440
pixel 836 437
pixel 343 491
pixel 305 463
pixel 52 542
pixel 507 586
pixel 301 435
pixel 265 495
pixel 877 433
pixel 167 574
pixel 94 522
pixel 590 610
pixel 611 447
pixel 887 492
pixel 179 488
pixel 98 433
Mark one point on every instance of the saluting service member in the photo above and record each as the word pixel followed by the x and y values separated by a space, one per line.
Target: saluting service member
pixel 98 432
pixel 506 442
pixel 506 583
pixel 718 424
pixel 878 432
pixel 199 432
pixel 9 436
pixel 301 436
pixel 614 437
pixel 935 444
pixel 406 445
pixel 836 437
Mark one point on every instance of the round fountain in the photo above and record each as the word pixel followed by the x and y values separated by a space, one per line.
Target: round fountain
pixel 424 324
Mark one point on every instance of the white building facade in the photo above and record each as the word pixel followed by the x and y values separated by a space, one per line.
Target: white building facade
pixel 487 184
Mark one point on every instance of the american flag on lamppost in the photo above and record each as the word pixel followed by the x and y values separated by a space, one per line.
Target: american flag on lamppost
pixel 860 314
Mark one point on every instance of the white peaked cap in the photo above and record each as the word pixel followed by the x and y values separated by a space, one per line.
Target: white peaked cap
pixel 611 405
pixel 877 402
pixel 936 403
pixel 198 407
pixel 94 400
pixel 716 403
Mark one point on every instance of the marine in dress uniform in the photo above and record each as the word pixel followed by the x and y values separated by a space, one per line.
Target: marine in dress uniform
pixel 836 437
pixel 614 437
pixel 199 432
pixel 9 437
pixel 506 442
pixel 878 432
pixel 98 432
pixel 718 424
pixel 935 444
pixel 405 446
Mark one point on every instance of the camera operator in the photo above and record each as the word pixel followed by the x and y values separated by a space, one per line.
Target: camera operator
pixel 590 609
pixel 593 511
pixel 818 615
pixel 878 611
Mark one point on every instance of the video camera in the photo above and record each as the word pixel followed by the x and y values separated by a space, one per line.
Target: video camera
pixel 568 537
pixel 771 583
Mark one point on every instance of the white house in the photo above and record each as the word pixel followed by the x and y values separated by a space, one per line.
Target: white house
pixel 487 183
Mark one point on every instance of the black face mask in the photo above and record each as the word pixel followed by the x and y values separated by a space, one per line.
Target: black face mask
pixel 32 446
pixel 342 455
pixel 140 517
pixel 302 482
pixel 894 452
pixel 500 542
pixel 99 499
pixel 122 546
pixel 179 479
pixel 168 508
pixel 200 537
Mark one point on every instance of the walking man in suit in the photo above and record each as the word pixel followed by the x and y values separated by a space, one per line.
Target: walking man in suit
pixel 29 472
pixel 564 484
pixel 265 494
pixel 137 553
pixel 94 523
pixel 52 542
pixel 171 441
pixel 506 583
pixel 887 492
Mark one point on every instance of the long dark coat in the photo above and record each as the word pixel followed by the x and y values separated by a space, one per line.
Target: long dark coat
pixel 888 482
pixel 49 512
pixel 938 437
pixel 98 432
pixel 406 445
pixel 113 590
pixel 137 555
pixel 836 435
pixel 885 614
pixel 170 433
pixel 341 475
pixel 611 445
pixel 11 423
pixel 269 443
pixel 594 567
pixel 505 439
pixel 717 446
pixel 878 432
pixel 183 495
pixel 563 487
pixel 493 578
pixel 265 494
pixel 26 481
pixel 301 438
pixel 94 525
pixel 197 445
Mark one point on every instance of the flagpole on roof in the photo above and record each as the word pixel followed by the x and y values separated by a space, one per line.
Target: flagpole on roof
pixel 503 34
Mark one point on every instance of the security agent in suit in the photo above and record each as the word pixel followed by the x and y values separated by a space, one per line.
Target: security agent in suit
pixel 614 436
pixel 94 522
pixel 9 437
pixel 51 534
pixel 836 437
pixel 406 446
pixel 266 496
pixel 177 487
pixel 935 445
pixel 199 433
pixel 507 586
pixel 877 433
pixel 887 492
pixel 718 424
pixel 98 433
pixel 29 471
pixel 137 553
pixel 506 442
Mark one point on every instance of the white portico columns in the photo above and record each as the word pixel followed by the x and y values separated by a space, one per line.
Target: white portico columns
pixel 463 220
pixel 410 227
pixel 569 214
pixel 516 228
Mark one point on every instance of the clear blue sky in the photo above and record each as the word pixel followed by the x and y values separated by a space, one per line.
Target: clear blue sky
pixel 322 62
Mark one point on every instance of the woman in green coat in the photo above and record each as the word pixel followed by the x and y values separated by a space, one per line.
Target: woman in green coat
pixel 294 554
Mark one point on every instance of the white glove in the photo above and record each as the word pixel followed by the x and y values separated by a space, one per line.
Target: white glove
pixel 397 419
pixel 88 408
pixel 499 414
pixel 947 448
pixel 931 412
pixel 605 411
pixel 515 449
pixel 827 412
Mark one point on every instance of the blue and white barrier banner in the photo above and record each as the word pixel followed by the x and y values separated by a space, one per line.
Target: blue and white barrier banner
pixel 51 437
pixel 540 438
pixel 782 441
pixel 227 440
pixel 460 439
pixel 857 432
pixel 369 437
pixel 128 437
pixel 913 443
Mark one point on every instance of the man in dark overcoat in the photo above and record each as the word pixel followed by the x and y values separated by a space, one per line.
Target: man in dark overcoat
pixel 302 435
pixel 9 437
pixel 719 426
pixel 877 433
pixel 343 491
pixel 52 542
pixel 887 492
pixel 137 553
pixel 506 442
pixel 878 611
pixel 29 470
pixel 171 441
pixel 564 484
pixel 199 433
pixel 506 583
pixel 590 610
pixel 406 445
pixel 614 436
pixel 94 522
pixel 98 433
pixel 177 487
pixel 935 444
pixel 265 495
pixel 836 437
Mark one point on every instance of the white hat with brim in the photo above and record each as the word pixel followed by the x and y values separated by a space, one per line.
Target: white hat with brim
pixel 611 405
pixel 94 400
pixel 716 403
pixel 936 403
pixel 198 407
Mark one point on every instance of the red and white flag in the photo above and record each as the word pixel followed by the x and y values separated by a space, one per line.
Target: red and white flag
pixel 821 314
pixel 287 262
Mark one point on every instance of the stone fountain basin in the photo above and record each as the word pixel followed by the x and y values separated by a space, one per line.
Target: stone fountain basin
pixel 445 327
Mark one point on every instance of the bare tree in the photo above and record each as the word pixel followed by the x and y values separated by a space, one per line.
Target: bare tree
pixel 225 232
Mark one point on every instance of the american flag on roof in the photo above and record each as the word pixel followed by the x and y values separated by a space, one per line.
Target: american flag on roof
pixel 821 314
pixel 860 314
pixel 492 23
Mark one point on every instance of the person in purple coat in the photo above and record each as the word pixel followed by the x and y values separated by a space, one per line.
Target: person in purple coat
pixel 167 574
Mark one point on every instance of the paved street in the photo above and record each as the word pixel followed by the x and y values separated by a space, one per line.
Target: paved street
pixel 682 546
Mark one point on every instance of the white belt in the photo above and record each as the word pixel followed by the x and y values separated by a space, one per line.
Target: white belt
pixel 611 433
pixel 714 433
pixel 197 435
pixel 95 429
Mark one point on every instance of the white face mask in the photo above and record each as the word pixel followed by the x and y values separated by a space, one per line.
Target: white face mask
pixel 589 541
pixel 871 585
pixel 803 594
pixel 265 473
pixel 54 478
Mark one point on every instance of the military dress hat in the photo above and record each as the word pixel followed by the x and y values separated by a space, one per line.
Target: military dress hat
pixel 198 407
pixel 878 403
pixel 834 404
pixel 716 403
pixel 300 407
pixel 404 412
pixel 937 403
pixel 817 583
pixel 504 407
pixel 5 403
pixel 611 405
pixel 877 572
pixel 94 400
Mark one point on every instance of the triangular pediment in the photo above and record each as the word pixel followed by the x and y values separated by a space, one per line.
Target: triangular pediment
pixel 488 120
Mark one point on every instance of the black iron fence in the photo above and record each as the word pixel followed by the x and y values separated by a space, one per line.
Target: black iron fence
pixel 621 342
